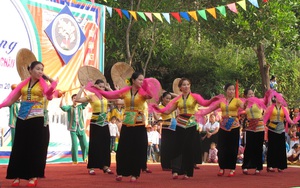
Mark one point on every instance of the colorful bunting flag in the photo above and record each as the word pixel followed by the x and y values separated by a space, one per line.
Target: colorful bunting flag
pixel 133 14
pixel 149 15
pixel 158 16
pixel 242 4
pixel 202 13
pixel 254 3
pixel 212 11
pixel 126 13
pixel 185 15
pixel 167 17
pixel 119 12
pixel 193 14
pixel 176 16
pixel 222 10
pixel 109 10
pixel 232 7
pixel 142 15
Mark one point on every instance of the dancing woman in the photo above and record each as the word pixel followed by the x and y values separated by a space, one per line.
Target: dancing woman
pixel 187 103
pixel 99 143
pixel 131 154
pixel 168 127
pixel 29 151
pixel 255 130
pixel 229 132
pixel 275 116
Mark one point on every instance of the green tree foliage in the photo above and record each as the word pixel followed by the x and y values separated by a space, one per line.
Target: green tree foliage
pixel 211 53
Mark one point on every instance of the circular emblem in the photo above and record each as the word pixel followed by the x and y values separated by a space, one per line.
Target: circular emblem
pixel 65 34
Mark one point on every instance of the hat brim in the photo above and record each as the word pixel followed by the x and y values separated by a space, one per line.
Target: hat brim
pixel 24 58
pixel 120 72
pixel 175 86
pixel 89 73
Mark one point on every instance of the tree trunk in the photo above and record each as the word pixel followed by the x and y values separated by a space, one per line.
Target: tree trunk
pixel 264 67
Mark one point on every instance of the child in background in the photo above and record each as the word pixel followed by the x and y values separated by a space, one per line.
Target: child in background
pixel 240 156
pixel 213 154
pixel 293 154
pixel 294 138
pixel 114 132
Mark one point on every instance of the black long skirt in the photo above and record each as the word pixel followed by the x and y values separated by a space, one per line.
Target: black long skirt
pixel 29 151
pixel 198 148
pixel 99 147
pixel 253 150
pixel 228 144
pixel 131 154
pixel 276 155
pixel 167 147
pixel 183 161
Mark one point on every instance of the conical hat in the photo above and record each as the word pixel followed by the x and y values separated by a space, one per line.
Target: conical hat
pixel 89 73
pixel 120 72
pixel 175 86
pixel 24 58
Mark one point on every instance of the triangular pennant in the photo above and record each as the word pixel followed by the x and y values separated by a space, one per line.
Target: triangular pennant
pixel 193 14
pixel 133 14
pixel 167 17
pixel 185 15
pixel 222 10
pixel 109 10
pixel 232 7
pixel 254 3
pixel 158 16
pixel 242 4
pixel 176 16
pixel 126 13
pixel 119 12
pixel 149 15
pixel 142 15
pixel 212 11
pixel 202 13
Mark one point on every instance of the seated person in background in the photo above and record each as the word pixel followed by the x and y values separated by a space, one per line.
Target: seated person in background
pixel 293 136
pixel 294 154
pixel 213 154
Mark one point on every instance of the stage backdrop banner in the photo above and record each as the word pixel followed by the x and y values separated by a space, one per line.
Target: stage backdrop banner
pixel 64 36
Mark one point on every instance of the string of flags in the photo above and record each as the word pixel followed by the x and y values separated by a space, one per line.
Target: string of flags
pixel 186 15
pixel 179 15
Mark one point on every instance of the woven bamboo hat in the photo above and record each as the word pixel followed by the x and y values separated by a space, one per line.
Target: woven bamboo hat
pixel 175 86
pixel 89 73
pixel 120 72
pixel 24 58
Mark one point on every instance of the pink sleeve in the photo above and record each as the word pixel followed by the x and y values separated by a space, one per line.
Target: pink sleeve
pixel 48 90
pixel 204 102
pixel 151 87
pixel 13 93
pixel 107 94
pixel 268 113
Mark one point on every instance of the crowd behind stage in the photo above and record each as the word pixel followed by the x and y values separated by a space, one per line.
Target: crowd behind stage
pixel 209 146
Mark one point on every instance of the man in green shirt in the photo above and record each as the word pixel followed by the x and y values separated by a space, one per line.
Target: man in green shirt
pixel 76 128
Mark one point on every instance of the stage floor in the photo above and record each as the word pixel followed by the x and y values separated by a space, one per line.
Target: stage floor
pixel 76 176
